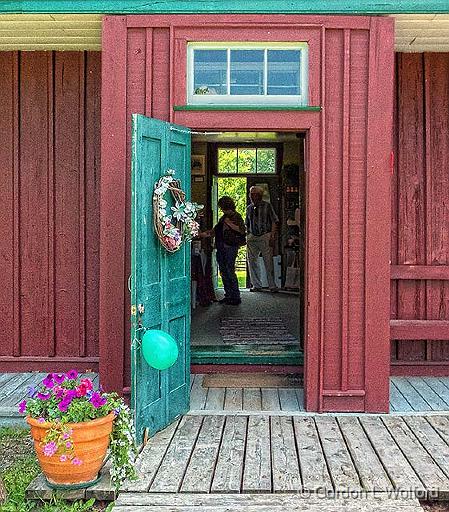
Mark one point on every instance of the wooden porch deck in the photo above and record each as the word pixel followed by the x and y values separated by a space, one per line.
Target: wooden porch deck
pixel 408 395
pixel 236 444
pixel 298 454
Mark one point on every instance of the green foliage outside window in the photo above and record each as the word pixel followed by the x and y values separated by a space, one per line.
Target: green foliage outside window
pixel 246 160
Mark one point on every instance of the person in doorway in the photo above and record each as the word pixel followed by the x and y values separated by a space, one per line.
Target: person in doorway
pixel 230 234
pixel 261 224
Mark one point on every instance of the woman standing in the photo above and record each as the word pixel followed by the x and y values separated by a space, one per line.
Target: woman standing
pixel 229 236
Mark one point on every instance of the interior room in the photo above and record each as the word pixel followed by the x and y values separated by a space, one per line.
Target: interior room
pixel 266 327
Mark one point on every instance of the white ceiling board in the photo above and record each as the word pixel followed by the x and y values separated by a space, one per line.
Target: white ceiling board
pixel 414 32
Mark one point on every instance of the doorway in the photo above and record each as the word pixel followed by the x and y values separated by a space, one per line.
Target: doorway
pixel 266 328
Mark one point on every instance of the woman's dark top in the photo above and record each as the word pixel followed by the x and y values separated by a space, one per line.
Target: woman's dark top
pixel 221 238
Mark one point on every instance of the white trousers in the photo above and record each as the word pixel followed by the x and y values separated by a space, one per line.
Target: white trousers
pixel 260 245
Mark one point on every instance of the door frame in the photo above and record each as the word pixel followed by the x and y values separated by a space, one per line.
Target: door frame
pixel 336 380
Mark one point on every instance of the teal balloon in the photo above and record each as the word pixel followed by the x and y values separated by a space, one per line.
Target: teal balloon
pixel 159 349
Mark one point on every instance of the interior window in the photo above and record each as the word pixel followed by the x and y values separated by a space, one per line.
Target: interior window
pixel 244 160
pixel 269 73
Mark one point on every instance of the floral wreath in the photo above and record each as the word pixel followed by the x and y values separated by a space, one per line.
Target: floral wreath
pixel 181 225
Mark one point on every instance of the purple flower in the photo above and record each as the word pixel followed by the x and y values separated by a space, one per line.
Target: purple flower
pixel 68 444
pixel 22 406
pixel 43 396
pixel 97 400
pixel 72 374
pixel 76 461
pixel 63 458
pixel 66 435
pixel 59 378
pixel 70 395
pixel 31 391
pixel 50 449
pixel 41 420
pixel 62 406
pixel 48 381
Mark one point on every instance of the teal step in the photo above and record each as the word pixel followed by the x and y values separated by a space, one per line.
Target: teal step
pixel 247 354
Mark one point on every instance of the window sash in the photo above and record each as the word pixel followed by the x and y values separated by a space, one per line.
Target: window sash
pixel 254 99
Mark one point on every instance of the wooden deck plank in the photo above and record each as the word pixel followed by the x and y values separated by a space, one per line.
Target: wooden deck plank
pixel 270 400
pixel 431 440
pixel 200 470
pixel 18 380
pixel 21 392
pixel 315 474
pixel 343 473
pixel 285 466
pixel 150 458
pixel 198 394
pixel 397 398
pixel 439 388
pixel 4 377
pixel 423 464
pixel 257 470
pixel 411 395
pixel 233 399
pixel 429 395
pixel 441 425
pixel 139 502
pixel 393 460
pixel 368 465
pixel 288 399
pixel 229 468
pixel 215 399
pixel 171 471
pixel 252 399
pixel 300 397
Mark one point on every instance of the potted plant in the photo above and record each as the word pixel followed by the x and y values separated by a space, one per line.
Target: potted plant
pixel 72 426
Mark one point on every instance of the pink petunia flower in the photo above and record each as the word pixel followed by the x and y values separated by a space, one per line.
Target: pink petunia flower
pixel 22 406
pixel 50 449
pixel 48 381
pixel 59 378
pixel 43 396
pixel 72 374
pixel 63 405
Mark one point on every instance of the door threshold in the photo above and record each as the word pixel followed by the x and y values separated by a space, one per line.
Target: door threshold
pixel 247 355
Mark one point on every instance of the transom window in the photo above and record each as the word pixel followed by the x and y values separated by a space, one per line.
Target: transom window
pixel 246 160
pixel 239 73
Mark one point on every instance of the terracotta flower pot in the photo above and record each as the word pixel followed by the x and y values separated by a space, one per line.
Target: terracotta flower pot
pixel 90 440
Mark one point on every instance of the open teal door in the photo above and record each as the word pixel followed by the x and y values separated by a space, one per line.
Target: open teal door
pixel 160 281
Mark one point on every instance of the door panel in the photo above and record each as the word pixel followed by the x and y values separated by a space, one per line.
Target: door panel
pixel 159 280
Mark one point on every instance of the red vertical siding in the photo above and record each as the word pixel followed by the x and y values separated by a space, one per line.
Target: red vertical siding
pixel 420 235
pixel 50 227
pixel 345 286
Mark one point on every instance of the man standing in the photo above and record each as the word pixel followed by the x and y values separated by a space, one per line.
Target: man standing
pixel 261 222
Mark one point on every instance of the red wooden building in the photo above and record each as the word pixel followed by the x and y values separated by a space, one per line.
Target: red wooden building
pixel 376 130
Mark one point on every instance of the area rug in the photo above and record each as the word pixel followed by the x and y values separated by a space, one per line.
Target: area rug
pixel 256 331
pixel 251 380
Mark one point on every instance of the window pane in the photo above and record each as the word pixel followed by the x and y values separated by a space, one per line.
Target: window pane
pixel 227 160
pixel 266 160
pixel 247 160
pixel 247 72
pixel 210 72
pixel 284 72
